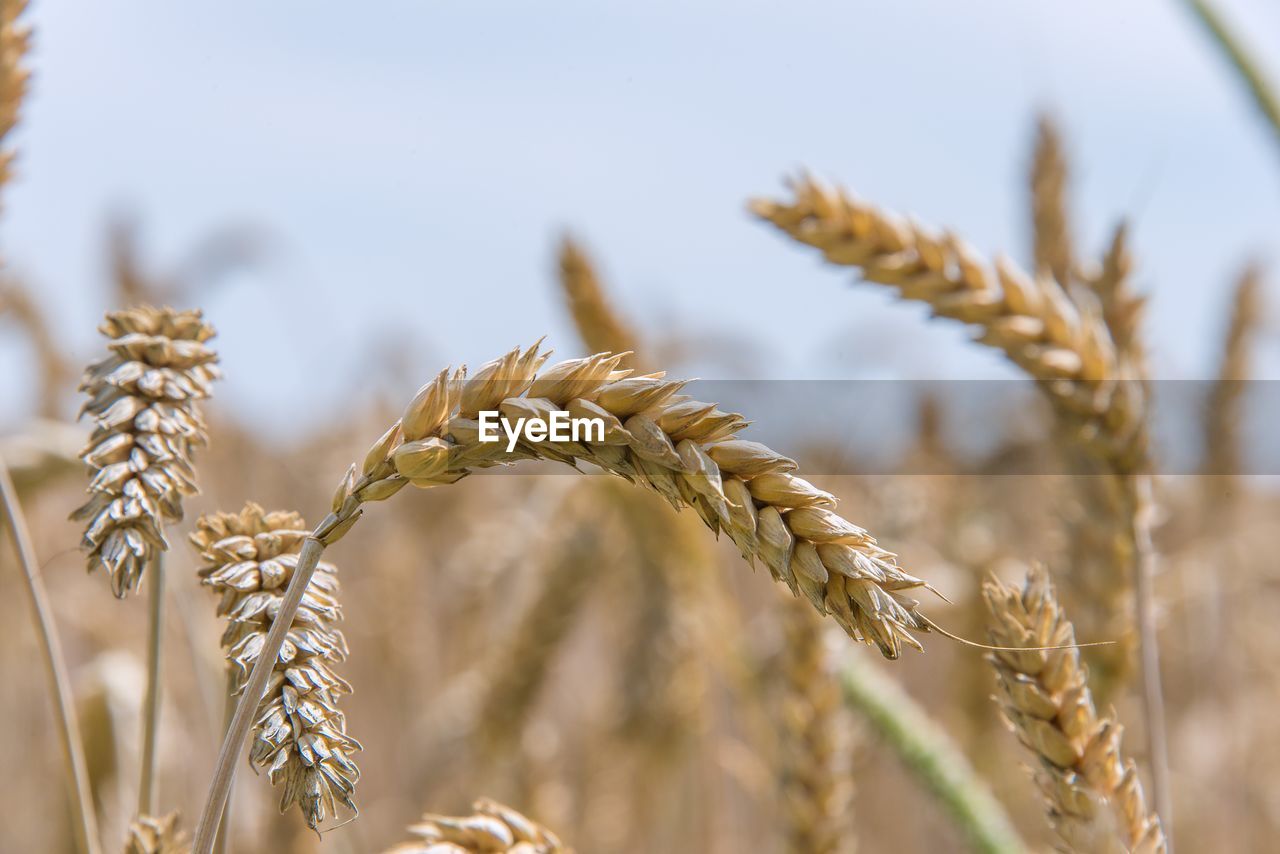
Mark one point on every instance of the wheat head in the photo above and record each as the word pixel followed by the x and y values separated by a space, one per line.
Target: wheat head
pixel 300 736
pixel 600 326
pixel 143 398
pixel 1094 795
pixel 491 828
pixel 156 835
pixel 1222 454
pixel 1050 215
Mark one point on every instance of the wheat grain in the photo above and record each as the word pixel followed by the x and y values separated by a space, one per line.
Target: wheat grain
pixel 1094 795
pixel 814 795
pixel 143 400
pixel 300 735
pixel 492 827
pixel 156 835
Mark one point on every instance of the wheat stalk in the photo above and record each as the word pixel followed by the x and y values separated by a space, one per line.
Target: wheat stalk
pixel 300 735
pixel 1094 796
pixel 492 827
pixel 678 447
pixel 1097 390
pixel 814 794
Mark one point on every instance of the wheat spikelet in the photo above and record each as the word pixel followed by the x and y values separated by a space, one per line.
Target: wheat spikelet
pixel 491 828
pixel 1032 320
pixel 598 323
pixel 1221 455
pixel 1094 796
pixel 143 400
pixel 814 796
pixel 1050 212
pixel 1122 308
pixel 680 448
pixel 156 835
pixel 300 735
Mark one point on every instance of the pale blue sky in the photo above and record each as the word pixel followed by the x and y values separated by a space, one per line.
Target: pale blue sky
pixel 413 163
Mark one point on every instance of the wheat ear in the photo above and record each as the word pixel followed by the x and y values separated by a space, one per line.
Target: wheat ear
pixel 1094 795
pixel 814 795
pixel 680 448
pixel 156 835
pixel 492 827
pixel 300 736
pixel 1050 212
pixel 599 324
pixel 1098 392
pixel 1222 444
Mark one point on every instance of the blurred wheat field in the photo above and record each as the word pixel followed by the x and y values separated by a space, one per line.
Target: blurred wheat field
pixel 1074 638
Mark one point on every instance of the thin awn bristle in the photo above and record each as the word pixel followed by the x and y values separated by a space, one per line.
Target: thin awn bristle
pixel 492 828
pixel 300 736
pixel 1094 795
pixel 143 398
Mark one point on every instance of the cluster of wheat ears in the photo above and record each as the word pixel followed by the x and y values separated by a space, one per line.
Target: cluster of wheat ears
pixel 1072 325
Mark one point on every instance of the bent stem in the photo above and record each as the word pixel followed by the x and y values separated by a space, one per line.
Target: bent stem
pixel 256 687
pixel 932 757
pixel 1138 494
pixel 151 702
pixel 86 824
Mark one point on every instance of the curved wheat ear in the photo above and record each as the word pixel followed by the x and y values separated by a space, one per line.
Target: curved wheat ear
pixel 143 399
pixel 1050 214
pixel 492 828
pixel 300 736
pixel 156 835
pixel 1067 348
pixel 814 795
pixel 1095 798
pixel 597 322
pixel 653 436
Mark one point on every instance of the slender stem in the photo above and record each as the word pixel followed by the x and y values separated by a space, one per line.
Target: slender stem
pixel 1246 68
pixel 242 720
pixel 151 702
pixel 1138 494
pixel 224 823
pixel 932 757
pixel 86 822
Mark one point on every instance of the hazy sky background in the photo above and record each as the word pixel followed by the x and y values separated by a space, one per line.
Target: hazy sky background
pixel 411 165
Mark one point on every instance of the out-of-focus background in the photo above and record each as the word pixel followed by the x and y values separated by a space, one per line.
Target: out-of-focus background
pixel 359 198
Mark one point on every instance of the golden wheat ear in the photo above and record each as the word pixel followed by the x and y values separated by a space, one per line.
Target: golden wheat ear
pixel 156 835
pixel 300 736
pixel 144 402
pixel 490 829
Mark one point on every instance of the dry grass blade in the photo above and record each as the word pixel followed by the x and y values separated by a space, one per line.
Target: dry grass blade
pixel 300 735
pixel 491 828
pixel 599 324
pixel 1095 798
pixel 156 835
pixel 814 794
pixel 1050 212
pixel 654 436
pixel 143 398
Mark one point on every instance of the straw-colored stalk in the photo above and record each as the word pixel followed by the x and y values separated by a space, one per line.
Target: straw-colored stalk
pixel 300 736
pixel 1096 389
pixel 85 822
pixel 815 793
pixel 492 828
pixel 678 447
pixel 1094 795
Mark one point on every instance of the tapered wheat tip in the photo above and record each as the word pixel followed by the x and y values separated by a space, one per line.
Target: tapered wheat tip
pixel 656 437
pixel 300 735
pixel 491 828
pixel 1094 795
pixel 1223 414
pixel 156 835
pixel 1032 320
pixel 599 324
pixel 143 399
pixel 1050 214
